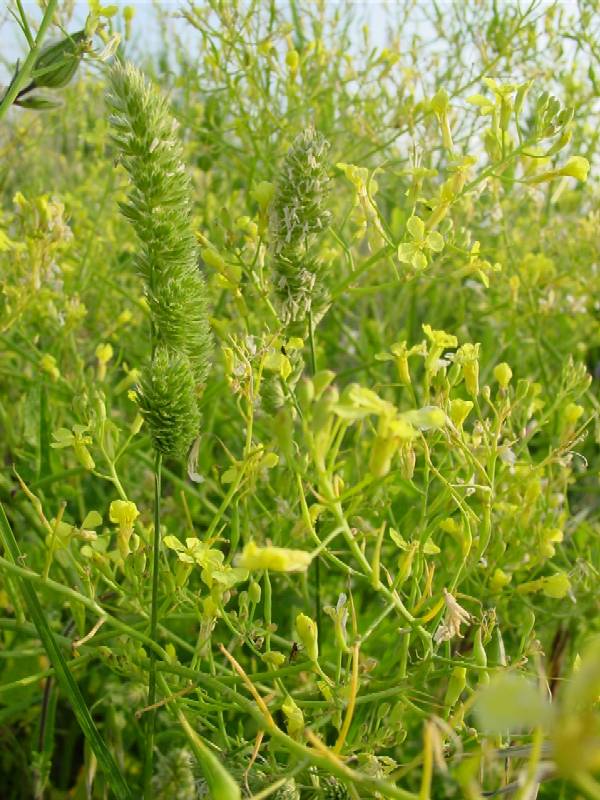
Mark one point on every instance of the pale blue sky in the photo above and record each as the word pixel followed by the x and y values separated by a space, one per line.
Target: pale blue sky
pixel 12 43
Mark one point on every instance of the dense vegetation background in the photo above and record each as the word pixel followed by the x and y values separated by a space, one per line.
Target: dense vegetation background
pixel 400 245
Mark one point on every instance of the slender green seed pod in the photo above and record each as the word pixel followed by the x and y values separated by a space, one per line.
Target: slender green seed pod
pixel 168 402
pixel 58 62
pixel 456 686
pixel 298 215
pixel 159 207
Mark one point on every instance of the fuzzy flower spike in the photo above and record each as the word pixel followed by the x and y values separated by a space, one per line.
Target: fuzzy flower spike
pixel 298 215
pixel 159 208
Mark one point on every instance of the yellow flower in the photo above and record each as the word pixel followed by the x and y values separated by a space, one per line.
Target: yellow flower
pixel 503 374
pixel 414 252
pixel 263 193
pixel 459 411
pixel 556 586
pixel 48 364
pixel 576 167
pixel 278 559
pixel 78 439
pixel 124 317
pixel 440 104
pixel 292 59
pixel 467 356
pixel 499 580
pixel 426 418
pixel 123 513
pixel 571 413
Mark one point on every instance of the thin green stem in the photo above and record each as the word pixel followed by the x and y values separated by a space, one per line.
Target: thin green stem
pixel 151 718
pixel 313 369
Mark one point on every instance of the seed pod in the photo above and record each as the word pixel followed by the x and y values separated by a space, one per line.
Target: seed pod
pixel 58 62
pixel 479 654
pixel 456 686
pixel 497 654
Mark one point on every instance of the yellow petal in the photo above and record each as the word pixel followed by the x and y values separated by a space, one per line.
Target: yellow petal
pixel 278 559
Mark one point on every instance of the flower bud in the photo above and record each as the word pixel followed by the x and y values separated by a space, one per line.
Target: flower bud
pixel 308 635
pixel 292 59
pixel 254 592
pixel 263 194
pixel 48 365
pixel 503 374
pixel 104 353
pixel 124 513
pixel 408 459
pixel 479 654
pixel 382 452
pixel 499 580
pixel 471 373
pixel 459 411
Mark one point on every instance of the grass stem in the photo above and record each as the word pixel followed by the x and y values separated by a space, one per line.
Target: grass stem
pixel 151 719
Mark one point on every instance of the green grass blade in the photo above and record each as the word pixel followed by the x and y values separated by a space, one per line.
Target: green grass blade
pixel 63 674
